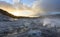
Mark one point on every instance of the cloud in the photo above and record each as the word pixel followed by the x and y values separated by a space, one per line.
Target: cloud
pixel 48 5
pixel 39 7
pixel 17 4
pixel 10 7
pixel 2 3
pixel 6 6
pixel 20 10
pixel 16 1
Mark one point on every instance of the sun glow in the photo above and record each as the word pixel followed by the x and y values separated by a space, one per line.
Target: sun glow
pixel 19 9
pixel 26 13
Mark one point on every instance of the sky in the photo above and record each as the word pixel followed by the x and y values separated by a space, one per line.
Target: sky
pixel 44 5
pixel 27 2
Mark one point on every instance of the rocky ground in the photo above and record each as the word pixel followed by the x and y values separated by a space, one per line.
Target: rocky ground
pixel 29 27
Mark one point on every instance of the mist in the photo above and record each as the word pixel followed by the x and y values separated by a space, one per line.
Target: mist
pixel 38 8
pixel 47 7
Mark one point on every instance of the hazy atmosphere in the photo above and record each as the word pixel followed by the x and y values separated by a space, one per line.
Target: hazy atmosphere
pixel 31 8
pixel 29 18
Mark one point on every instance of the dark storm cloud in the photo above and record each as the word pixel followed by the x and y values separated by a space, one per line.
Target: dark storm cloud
pixel 50 5
pixel 47 7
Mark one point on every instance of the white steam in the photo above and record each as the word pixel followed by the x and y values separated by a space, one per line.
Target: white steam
pixel 51 22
